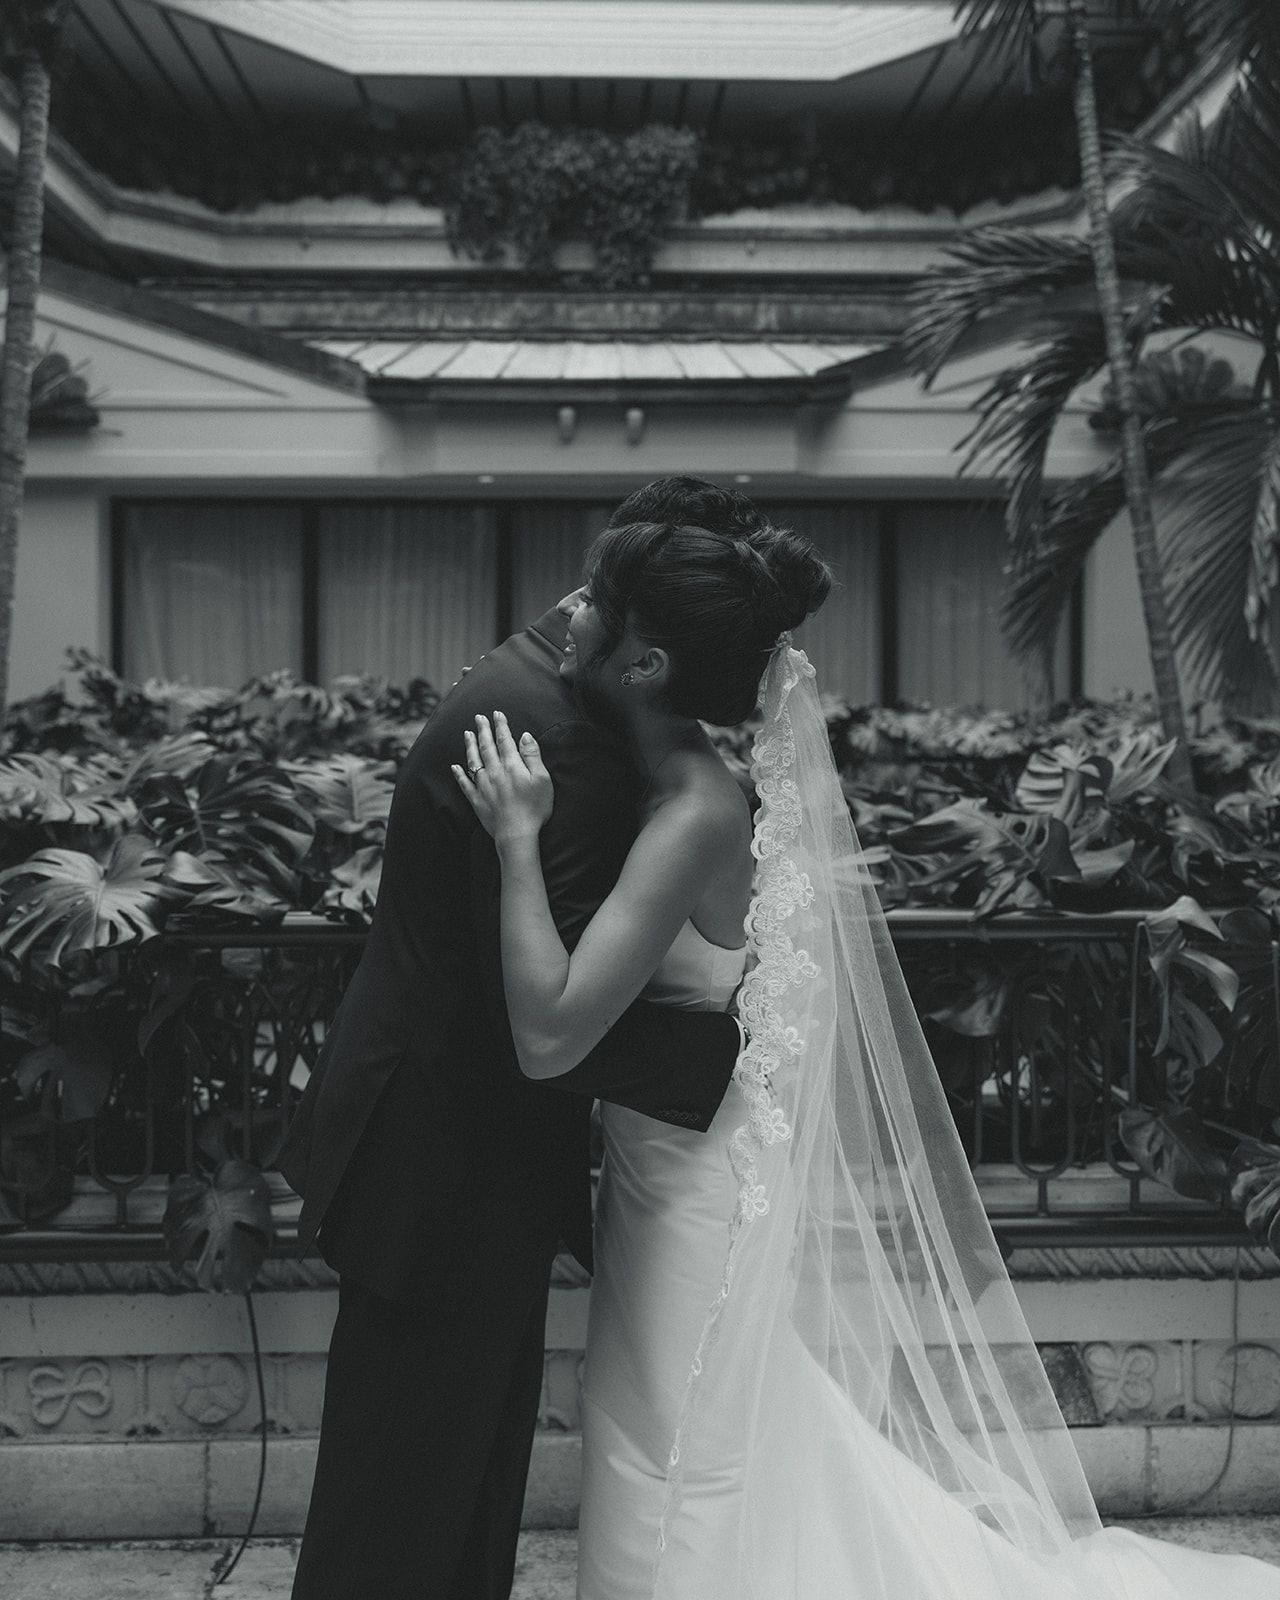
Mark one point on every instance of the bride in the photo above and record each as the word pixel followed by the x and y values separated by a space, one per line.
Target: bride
pixel 807 1375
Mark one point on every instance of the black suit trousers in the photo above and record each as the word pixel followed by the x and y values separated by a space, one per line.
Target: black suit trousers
pixel 424 1450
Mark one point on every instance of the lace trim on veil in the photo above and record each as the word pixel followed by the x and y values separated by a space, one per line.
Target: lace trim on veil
pixel 781 889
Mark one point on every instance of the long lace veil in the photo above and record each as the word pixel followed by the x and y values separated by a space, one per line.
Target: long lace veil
pixel 865 1375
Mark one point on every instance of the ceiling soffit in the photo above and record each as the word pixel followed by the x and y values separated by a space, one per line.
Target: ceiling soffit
pixel 776 40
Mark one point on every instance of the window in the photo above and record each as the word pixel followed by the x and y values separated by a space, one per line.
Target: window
pixel 218 591
pixel 950 560
pixel 405 591
pixel 212 593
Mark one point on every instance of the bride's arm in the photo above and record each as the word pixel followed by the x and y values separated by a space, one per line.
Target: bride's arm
pixel 559 1005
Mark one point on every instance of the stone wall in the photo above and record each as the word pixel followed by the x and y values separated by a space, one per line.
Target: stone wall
pixel 129 1404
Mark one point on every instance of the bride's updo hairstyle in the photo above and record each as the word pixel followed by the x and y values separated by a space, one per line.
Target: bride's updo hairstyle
pixel 714 601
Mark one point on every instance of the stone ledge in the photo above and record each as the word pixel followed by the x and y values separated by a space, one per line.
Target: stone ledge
pixel 204 1488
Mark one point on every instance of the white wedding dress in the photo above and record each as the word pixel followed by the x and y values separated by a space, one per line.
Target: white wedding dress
pixel 662 1221
pixel 662 1228
pixel 807 1376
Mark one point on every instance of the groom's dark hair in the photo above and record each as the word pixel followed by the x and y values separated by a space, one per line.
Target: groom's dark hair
pixel 690 502
pixel 715 600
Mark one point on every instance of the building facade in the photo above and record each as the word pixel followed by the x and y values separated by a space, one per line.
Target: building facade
pixel 332 441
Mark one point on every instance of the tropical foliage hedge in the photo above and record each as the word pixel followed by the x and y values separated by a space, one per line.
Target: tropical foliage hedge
pixel 130 809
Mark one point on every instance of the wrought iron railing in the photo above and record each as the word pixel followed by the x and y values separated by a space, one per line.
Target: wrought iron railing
pixel 1046 1037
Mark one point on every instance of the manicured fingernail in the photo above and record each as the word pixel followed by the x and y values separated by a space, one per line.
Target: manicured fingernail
pixel 526 738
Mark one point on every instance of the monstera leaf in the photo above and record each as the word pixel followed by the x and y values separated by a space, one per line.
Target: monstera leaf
pixel 971 1000
pixel 74 902
pixel 1255 1189
pixel 172 987
pixel 1067 778
pixel 1063 780
pixel 1187 1032
pixel 225 1221
pixel 234 806
pixel 211 882
pixel 178 755
pixel 1136 762
pixel 36 788
pixel 349 793
pixel 355 883
pixel 1169 947
pixel 1013 855
pixel 34 1184
pixel 220 1133
pixel 1173 1148
pixel 1254 1064
pixel 1197 835
pixel 71 1075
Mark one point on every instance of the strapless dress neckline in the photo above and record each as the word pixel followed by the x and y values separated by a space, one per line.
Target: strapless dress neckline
pixel 697 974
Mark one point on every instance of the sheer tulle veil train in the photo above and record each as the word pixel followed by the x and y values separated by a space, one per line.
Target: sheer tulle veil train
pixel 865 1378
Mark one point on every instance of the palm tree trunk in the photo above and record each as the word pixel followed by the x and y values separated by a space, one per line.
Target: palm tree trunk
pixel 1133 454
pixel 18 358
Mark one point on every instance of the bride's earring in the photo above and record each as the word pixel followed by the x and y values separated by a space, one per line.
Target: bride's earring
pixel 628 678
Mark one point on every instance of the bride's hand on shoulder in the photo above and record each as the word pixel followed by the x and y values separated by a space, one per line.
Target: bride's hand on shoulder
pixel 509 788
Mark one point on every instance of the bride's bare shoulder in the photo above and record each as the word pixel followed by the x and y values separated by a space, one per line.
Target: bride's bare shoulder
pixel 705 797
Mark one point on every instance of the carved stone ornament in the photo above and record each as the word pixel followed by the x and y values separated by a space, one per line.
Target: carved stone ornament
pixel 1123 1377
pixel 209 1389
pixel 1246 1381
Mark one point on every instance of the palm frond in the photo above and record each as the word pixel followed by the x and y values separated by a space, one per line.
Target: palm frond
pixel 1040 579
pixel 1242 31
pixel 1175 194
pixel 1018 412
pixel 1003 29
pixel 1208 504
pixel 990 271
pixel 1184 224
pixel 1264 545
pixel 1244 147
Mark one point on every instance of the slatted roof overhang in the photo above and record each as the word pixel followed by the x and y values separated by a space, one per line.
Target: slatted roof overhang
pixel 616 371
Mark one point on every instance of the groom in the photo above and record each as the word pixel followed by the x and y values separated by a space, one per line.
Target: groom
pixel 441 1180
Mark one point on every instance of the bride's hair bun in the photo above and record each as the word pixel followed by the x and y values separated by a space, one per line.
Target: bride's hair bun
pixel 714 600
pixel 791 580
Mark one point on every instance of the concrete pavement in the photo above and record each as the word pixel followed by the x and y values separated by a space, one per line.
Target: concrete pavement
pixel 183 1570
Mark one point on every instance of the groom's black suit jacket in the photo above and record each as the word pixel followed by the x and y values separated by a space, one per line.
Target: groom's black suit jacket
pixel 418 1146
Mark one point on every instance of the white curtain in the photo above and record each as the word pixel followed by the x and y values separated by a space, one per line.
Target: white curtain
pixel 212 593
pixel 549 541
pixel 843 639
pixel 406 591
pixel 950 649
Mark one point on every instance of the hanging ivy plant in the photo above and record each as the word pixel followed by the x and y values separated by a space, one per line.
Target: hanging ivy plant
pixel 530 191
